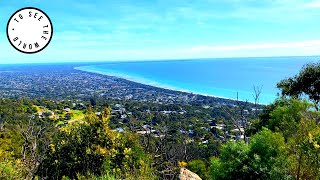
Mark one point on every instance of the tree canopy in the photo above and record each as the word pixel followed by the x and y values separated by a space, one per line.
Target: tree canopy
pixel 307 82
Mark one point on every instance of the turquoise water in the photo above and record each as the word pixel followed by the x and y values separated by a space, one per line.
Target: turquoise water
pixel 214 77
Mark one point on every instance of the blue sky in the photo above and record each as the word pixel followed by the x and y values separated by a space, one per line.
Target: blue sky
pixel 100 30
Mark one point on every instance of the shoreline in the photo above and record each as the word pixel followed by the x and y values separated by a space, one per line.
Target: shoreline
pixel 156 85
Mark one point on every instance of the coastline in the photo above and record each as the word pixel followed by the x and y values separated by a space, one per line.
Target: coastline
pixel 155 84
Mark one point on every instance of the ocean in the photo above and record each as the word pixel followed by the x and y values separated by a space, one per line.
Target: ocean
pixel 223 77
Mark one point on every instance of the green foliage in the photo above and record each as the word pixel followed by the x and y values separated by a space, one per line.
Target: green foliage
pixel 285 118
pixel 266 150
pixel 199 167
pixel 93 148
pixel 299 124
pixel 216 171
pixel 68 116
pixel 10 143
pixel 232 162
pixel 307 82
pixel 257 160
pixel 11 170
pixel 284 140
pixel 92 177
pixel 264 117
pixel 304 149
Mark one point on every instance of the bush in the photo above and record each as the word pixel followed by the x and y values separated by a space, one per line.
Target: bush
pixel 198 167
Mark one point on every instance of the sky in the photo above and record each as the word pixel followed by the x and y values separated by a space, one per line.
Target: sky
pixel 123 30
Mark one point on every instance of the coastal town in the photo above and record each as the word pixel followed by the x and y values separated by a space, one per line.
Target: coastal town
pixel 62 82
pixel 62 110
pixel 180 125
pixel 121 118
pixel 160 90
pixel 129 100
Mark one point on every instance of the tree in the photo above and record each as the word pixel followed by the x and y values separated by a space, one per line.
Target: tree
pixel 256 96
pixel 300 127
pixel 35 145
pixel 263 158
pixel 92 147
pixel 286 117
pixel 268 156
pixel 216 170
pixel 307 82
pixel 304 148
pixel 264 117
pixel 232 161
pixel 238 116
pixel 199 167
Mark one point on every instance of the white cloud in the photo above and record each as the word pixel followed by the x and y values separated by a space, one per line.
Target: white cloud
pixel 299 48
pixel 315 44
pixel 68 53
pixel 314 4
pixel 87 31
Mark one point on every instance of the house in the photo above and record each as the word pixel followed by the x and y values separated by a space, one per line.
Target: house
pixel 237 130
pixel 219 126
pixel 120 130
pixel 122 110
pixel 239 137
pixel 143 132
pixel 205 142
pixel 123 116
pixel 182 112
pixel 147 126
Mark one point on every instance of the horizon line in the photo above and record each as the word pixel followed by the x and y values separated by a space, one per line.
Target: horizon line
pixel 152 60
